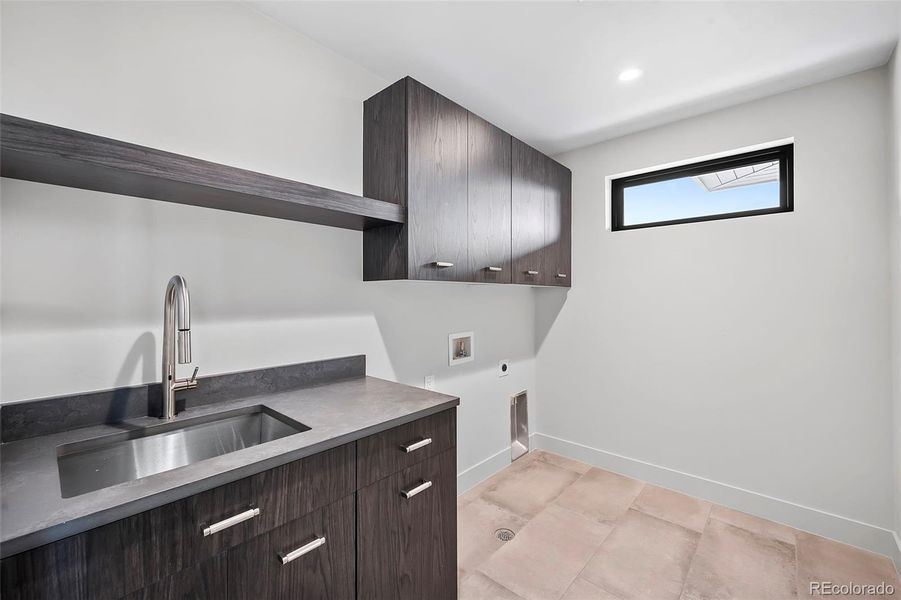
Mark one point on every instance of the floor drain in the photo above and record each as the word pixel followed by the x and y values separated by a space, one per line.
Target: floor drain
pixel 504 535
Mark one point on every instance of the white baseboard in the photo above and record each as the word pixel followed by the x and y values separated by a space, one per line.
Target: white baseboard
pixel 897 554
pixel 481 471
pixel 850 531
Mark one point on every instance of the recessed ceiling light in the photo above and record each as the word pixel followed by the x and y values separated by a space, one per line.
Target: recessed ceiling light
pixel 630 74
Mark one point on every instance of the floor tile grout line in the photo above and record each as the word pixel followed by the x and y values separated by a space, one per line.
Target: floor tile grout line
pixel 691 562
pixel 711 516
pixel 574 513
pixel 553 502
pixel 493 580
pixel 616 524
pixel 644 512
pixel 694 554
pixel 613 525
pixel 526 519
pixel 591 558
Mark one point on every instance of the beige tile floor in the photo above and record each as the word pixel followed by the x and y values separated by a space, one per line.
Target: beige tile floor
pixel 587 534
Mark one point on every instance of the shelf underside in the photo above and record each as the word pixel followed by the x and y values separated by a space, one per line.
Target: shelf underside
pixel 44 153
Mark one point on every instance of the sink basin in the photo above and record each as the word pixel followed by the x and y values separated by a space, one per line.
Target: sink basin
pixel 101 462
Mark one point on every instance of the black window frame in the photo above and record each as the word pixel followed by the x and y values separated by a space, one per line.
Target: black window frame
pixel 784 154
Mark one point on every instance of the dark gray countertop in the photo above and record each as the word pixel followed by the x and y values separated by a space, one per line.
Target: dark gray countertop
pixel 33 512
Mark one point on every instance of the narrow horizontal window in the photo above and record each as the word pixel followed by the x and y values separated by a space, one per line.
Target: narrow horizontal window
pixel 743 185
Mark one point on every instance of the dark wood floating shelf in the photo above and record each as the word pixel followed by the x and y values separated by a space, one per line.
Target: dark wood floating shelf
pixel 48 154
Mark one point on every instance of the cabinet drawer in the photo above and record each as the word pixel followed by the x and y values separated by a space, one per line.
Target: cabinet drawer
pixel 170 538
pixel 295 489
pixel 308 558
pixel 407 533
pixel 390 451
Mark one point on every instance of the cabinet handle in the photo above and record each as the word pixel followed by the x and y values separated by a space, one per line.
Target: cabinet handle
pixel 306 548
pixel 415 490
pixel 442 265
pixel 416 445
pixel 495 269
pixel 561 275
pixel 225 524
pixel 531 272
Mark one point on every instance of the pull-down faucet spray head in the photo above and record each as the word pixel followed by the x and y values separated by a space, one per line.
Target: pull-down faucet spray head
pixel 182 318
pixel 184 346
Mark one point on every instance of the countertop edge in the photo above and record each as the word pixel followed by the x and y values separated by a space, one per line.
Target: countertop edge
pixel 61 531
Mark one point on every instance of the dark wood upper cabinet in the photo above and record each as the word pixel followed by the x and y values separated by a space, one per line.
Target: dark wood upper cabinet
pixel 542 206
pixel 558 227
pixel 529 205
pixel 384 144
pixel 489 202
pixel 415 154
pixel 437 185
pixel 481 206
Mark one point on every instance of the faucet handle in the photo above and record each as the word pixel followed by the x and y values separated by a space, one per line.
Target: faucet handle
pixel 186 384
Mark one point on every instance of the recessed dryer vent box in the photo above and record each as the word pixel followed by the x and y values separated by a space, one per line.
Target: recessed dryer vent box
pixel 460 348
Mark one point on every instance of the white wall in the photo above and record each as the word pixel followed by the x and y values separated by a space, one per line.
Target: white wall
pixel 753 352
pixel 895 229
pixel 83 273
pixel 709 348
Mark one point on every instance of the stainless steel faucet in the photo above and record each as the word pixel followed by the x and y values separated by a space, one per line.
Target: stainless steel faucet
pixel 176 324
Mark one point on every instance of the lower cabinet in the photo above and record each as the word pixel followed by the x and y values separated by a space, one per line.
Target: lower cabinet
pixel 206 580
pixel 407 533
pixel 375 518
pixel 307 559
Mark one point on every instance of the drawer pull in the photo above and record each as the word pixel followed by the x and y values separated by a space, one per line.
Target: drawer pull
pixel 561 275
pixel 225 524
pixel 415 490
pixel 495 269
pixel 531 272
pixel 442 265
pixel 306 548
pixel 412 446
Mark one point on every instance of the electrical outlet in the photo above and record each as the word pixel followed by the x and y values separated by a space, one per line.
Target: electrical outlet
pixel 503 368
pixel 429 382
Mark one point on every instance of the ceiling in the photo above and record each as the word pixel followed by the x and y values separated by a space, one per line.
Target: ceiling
pixel 547 72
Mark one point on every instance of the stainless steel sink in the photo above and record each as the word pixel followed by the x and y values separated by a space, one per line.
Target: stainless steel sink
pixel 101 462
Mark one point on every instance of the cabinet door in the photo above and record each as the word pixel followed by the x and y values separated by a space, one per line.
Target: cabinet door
pixel 134 555
pixel 314 569
pixel 530 176
pixel 88 566
pixel 557 258
pixel 406 546
pixel 206 580
pixel 489 202
pixel 437 186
